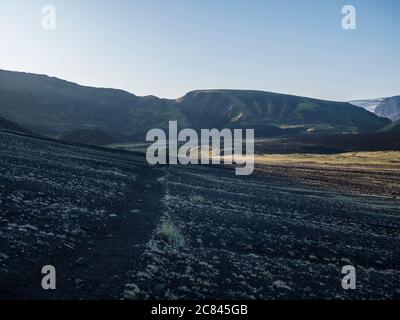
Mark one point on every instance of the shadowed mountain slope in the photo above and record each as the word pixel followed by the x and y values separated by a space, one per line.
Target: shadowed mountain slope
pixel 389 108
pixel 246 108
pixel 62 109
pixel 52 106
pixel 393 127
pixel 6 125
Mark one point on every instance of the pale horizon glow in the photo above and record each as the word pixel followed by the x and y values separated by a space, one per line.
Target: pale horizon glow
pixel 168 48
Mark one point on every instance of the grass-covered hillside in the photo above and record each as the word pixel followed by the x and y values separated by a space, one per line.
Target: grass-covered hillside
pixel 55 107
pixel 393 127
pixel 6 125
pixel 246 108
pixel 61 109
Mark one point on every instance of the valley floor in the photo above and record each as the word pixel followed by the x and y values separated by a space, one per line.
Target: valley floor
pixel 364 173
pixel 264 238
pixel 87 211
pixel 115 227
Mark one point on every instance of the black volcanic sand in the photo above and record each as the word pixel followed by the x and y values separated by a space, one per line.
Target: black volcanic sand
pixel 378 181
pixel 263 238
pixel 86 211
pixel 95 215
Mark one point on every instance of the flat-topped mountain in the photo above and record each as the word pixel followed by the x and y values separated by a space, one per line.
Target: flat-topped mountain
pixel 247 108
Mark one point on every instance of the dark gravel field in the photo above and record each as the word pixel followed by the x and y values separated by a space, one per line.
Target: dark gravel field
pixel 362 180
pixel 115 227
pixel 261 238
pixel 86 211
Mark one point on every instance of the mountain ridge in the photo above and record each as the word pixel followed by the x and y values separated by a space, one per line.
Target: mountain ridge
pixel 368 104
pixel 59 108
pixel 268 107
pixel 389 108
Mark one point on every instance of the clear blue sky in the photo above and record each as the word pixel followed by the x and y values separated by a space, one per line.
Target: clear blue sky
pixel 169 47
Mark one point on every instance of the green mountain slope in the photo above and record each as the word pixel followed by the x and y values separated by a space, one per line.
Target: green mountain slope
pixel 6 125
pixel 393 127
pixel 63 109
pixel 245 108
pixel 54 107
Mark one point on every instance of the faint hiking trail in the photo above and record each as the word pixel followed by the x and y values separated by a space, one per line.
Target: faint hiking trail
pixel 263 238
pixel 115 227
pixel 87 211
